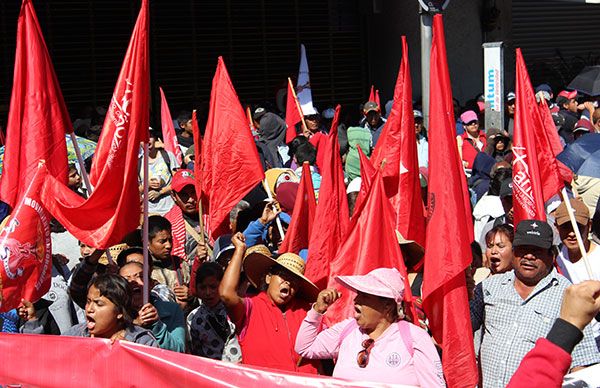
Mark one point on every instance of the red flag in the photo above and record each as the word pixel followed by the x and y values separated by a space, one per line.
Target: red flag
pixel 397 145
pixel 371 244
pixel 38 118
pixel 25 249
pixel 528 199
pixel 230 163
pixel 367 173
pixel 197 152
pixel 112 209
pixel 2 137
pixel 332 217
pixel 293 113
pixel 168 129
pixel 374 95
pixel 377 98
pixel 449 229
pixel 298 233
pixel 551 143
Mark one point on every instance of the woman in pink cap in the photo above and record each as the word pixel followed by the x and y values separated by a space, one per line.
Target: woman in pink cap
pixel 473 141
pixel 377 345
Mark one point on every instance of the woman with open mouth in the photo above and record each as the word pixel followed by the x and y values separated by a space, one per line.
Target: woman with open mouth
pixel 108 312
pixel 377 344
pixel 267 323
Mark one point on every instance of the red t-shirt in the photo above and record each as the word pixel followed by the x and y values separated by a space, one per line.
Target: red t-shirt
pixel 267 335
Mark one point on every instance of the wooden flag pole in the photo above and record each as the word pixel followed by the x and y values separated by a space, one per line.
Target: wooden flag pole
pixel 277 220
pixel 297 104
pixel 145 242
pixel 584 257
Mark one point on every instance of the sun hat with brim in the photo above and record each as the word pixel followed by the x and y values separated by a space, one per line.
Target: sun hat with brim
pixel 114 252
pixel 384 282
pixel 413 248
pixel 258 263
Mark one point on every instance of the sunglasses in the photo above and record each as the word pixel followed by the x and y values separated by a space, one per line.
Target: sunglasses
pixel 362 359
pixel 474 122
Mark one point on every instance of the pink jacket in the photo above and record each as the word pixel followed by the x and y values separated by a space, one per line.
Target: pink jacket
pixel 389 362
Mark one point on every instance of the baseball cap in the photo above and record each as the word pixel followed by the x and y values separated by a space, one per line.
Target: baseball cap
pixel 565 96
pixel 580 210
pixel 258 113
pixel 181 179
pixel 468 116
pixel 544 88
pixel 510 96
pixel 583 125
pixel 371 106
pixel 418 114
pixel 506 188
pixel 533 232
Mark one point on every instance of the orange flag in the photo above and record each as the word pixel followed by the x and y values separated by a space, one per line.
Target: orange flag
pixel 230 163
pixel 305 207
pixel 449 230
pixel 37 118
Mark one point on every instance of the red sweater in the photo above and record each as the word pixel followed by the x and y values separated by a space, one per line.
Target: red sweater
pixel 469 152
pixel 268 335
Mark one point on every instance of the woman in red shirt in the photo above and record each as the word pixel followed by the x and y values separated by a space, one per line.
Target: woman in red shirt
pixel 267 324
pixel 472 141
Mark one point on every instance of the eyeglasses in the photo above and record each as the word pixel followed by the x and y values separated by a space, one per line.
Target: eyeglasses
pixel 474 122
pixel 362 359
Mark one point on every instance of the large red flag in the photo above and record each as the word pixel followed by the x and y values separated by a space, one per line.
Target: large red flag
pixel 449 229
pixel 332 216
pixel 25 249
pixel 305 207
pixel 397 145
pixel 168 129
pixel 230 163
pixel 371 244
pixel 293 113
pixel 528 198
pixel 112 209
pixel 38 118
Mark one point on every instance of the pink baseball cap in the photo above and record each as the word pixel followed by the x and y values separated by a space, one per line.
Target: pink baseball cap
pixel 468 116
pixel 568 94
pixel 384 282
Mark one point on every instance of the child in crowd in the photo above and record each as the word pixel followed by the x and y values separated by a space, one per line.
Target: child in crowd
pixel 211 332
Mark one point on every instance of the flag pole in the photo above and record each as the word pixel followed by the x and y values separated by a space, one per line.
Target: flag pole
pixel 277 220
pixel 145 228
pixel 84 174
pixel 86 181
pixel 297 104
pixel 577 234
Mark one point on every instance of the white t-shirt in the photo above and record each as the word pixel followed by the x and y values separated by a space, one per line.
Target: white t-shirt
pixel 577 273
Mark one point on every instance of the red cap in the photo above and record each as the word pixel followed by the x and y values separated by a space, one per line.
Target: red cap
pixel 568 94
pixel 181 179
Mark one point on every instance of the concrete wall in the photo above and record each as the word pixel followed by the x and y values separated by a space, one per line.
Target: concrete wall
pixel 393 18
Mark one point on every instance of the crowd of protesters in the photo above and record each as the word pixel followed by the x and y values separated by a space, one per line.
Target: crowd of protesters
pixel 238 300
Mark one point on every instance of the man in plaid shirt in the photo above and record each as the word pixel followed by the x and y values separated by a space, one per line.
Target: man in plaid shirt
pixel 516 308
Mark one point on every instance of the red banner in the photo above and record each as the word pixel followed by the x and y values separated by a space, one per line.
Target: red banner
pixel 101 364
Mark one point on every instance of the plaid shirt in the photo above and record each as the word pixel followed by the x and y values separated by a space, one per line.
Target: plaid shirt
pixel 510 326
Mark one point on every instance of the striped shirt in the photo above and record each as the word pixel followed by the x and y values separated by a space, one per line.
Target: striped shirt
pixel 510 325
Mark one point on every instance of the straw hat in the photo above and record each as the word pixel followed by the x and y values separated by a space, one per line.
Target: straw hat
pixel 258 262
pixel 410 248
pixel 114 252
pixel 276 176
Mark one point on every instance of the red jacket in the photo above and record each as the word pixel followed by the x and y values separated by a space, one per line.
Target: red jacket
pixel 544 366
pixel 469 152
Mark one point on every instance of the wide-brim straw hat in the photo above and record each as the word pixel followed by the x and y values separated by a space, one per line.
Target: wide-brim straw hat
pixel 258 262
pixel 413 248
pixel 114 252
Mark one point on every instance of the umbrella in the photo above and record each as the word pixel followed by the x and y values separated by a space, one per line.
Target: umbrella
pixel 576 154
pixel 588 81
pixel 87 148
pixel 591 167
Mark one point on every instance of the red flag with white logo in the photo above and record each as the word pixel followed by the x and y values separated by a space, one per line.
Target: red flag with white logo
pixel 25 248
pixel 168 129
pixel 112 209
pixel 37 118
pixel 528 198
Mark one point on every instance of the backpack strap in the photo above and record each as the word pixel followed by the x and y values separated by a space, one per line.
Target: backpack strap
pixel 165 156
